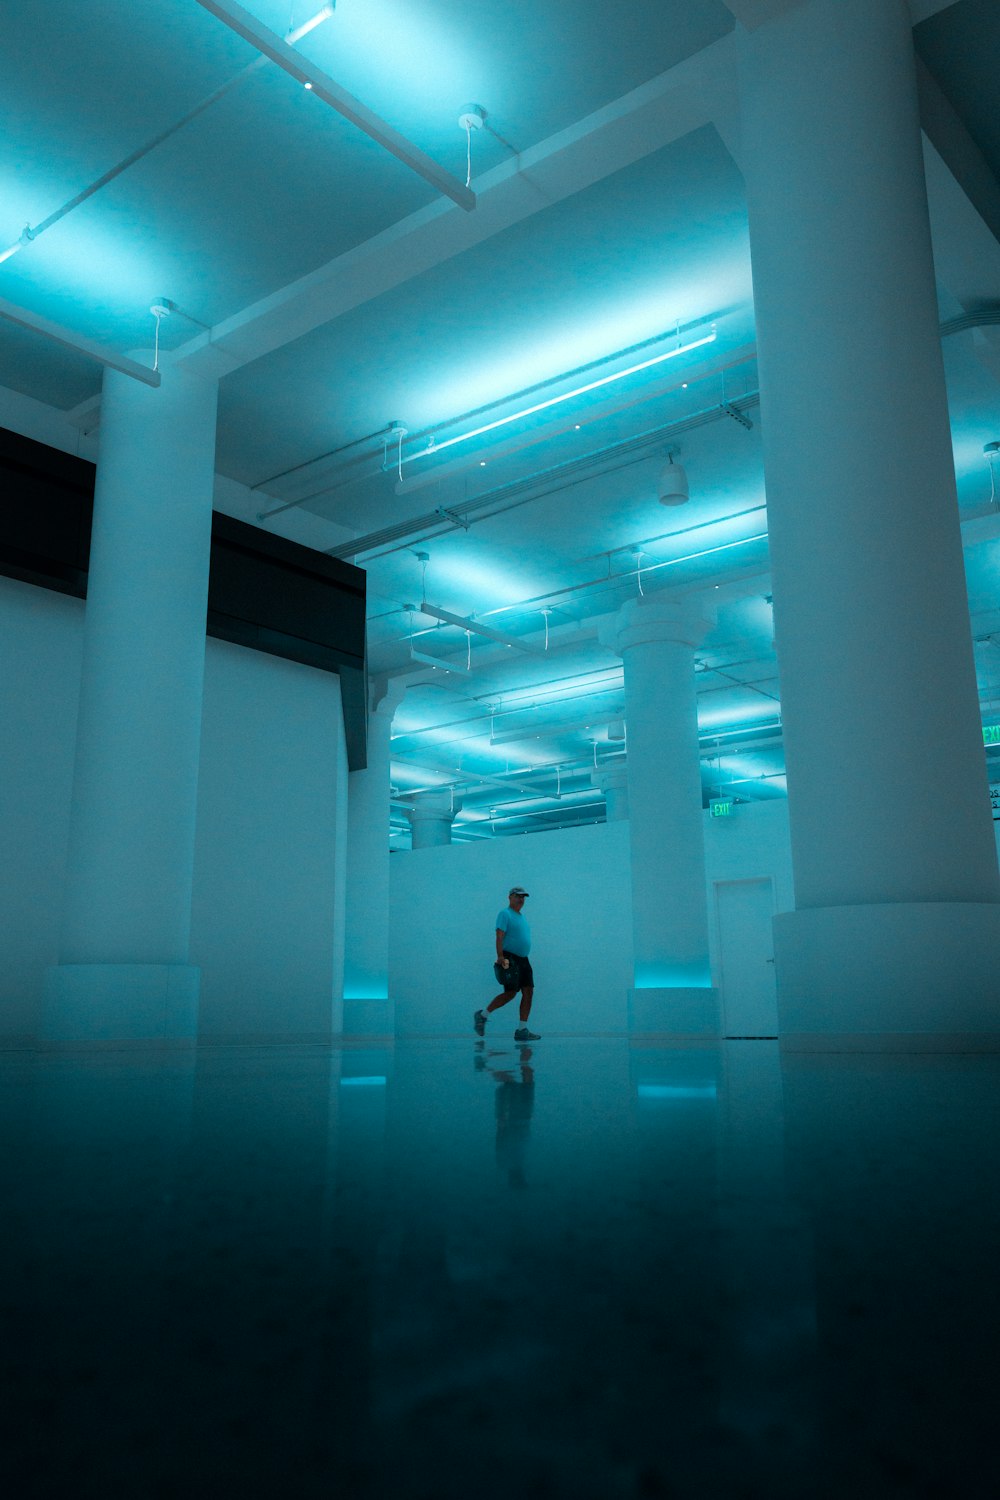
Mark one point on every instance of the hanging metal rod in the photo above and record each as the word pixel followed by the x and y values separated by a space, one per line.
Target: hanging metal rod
pixel 324 87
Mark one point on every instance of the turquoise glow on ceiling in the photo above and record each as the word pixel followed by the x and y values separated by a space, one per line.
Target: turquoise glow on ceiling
pixel 469 578
pixel 93 273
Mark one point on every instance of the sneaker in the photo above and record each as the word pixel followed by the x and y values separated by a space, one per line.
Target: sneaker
pixel 479 1022
pixel 522 1034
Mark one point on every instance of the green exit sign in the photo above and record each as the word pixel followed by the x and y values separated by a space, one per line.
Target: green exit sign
pixel 991 734
pixel 720 807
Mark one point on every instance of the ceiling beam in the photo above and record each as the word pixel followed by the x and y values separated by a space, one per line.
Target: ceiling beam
pixel 274 47
pixel 951 140
pixel 922 10
pixel 663 110
pixel 966 251
pixel 754 13
pixel 99 353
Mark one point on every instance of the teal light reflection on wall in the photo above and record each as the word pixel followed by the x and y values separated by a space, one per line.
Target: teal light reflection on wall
pixel 677 1091
pixel 366 994
pixel 696 975
pixel 359 1083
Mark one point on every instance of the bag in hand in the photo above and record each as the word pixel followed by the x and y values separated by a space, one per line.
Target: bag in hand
pixel 509 978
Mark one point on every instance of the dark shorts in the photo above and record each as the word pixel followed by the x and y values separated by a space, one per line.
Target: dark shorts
pixel 524 975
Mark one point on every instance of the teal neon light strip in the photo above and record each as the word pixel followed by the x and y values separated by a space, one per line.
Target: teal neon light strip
pixel 677 1091
pixel 580 390
pixel 362 1082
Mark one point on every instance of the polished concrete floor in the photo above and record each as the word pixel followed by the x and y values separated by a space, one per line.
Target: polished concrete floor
pixel 462 1268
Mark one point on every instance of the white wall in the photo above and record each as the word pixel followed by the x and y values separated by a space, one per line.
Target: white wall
pixel 271 780
pixel 443 905
pixel 41 641
pixel 271 799
pixel 751 844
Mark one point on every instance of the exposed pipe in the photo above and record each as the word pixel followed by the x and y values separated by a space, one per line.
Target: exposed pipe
pixel 370 437
pixel 30 233
pixel 630 450
pixel 518 492
pixel 272 46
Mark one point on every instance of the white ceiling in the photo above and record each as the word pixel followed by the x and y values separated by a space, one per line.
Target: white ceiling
pixel 344 294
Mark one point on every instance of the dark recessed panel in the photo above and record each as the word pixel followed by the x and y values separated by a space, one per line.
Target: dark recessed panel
pixel 264 592
pixel 46 510
pixel 270 593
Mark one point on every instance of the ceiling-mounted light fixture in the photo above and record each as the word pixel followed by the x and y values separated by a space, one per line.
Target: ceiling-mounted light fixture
pixel 672 485
pixel 434 447
pixel 298 32
pixel 467 623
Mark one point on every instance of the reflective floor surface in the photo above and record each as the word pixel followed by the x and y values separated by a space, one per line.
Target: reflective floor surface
pixel 469 1269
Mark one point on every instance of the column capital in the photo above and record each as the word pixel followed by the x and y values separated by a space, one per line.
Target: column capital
pixel 610 778
pixel 431 818
pixel 385 694
pixel 640 621
pixel 612 782
pixel 434 807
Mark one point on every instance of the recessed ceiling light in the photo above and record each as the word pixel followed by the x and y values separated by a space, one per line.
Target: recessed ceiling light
pixel 308 85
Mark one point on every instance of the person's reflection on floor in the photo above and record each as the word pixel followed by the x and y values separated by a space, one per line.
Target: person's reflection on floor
pixel 515 1102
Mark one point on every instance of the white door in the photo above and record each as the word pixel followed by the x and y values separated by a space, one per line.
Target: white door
pixel 744 909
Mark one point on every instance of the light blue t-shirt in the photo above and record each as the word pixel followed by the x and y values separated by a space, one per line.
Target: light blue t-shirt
pixel 517 932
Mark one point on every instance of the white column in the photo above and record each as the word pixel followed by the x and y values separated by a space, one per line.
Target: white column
pixel 613 782
pixel 123 964
pixel 367 1004
pixel 897 926
pixel 673 992
pixel 431 818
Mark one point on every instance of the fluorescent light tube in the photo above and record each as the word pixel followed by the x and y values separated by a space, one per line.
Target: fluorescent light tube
pixel 291 37
pixel 475 627
pixel 580 390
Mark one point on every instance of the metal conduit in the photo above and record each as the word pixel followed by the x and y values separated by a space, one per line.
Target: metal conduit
pixel 631 450
pixel 617 456
pixel 29 233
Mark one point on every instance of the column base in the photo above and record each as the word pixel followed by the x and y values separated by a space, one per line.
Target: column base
pixel 685 1012
pixel 121 1003
pixel 369 1017
pixel 915 970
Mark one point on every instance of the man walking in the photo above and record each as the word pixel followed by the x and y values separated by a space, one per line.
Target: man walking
pixel 513 939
